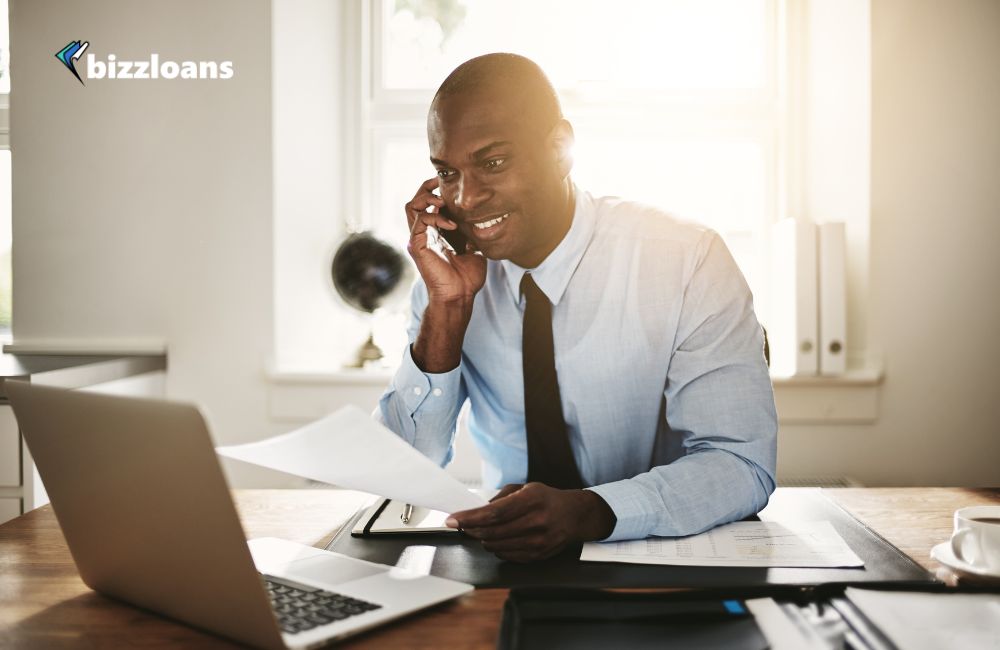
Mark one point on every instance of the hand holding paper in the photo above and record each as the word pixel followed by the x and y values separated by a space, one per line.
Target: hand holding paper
pixel 349 449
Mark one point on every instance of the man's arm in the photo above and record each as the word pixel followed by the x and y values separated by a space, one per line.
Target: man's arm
pixel 426 393
pixel 422 407
pixel 719 398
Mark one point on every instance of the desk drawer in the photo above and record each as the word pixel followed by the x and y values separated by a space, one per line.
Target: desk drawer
pixel 10 448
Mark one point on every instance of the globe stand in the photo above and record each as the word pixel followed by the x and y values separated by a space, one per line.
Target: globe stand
pixel 367 353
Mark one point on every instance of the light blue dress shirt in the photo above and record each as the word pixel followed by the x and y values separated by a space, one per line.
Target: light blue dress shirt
pixel 664 387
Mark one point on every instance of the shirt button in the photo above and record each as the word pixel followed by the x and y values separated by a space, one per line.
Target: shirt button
pixel 436 392
pixel 417 390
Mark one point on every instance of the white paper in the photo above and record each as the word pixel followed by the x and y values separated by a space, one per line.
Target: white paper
pixel 916 620
pixel 348 448
pixel 743 543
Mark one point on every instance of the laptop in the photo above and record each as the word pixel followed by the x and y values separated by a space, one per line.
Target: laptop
pixel 138 491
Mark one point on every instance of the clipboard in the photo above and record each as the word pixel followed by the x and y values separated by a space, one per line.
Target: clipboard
pixel 384 518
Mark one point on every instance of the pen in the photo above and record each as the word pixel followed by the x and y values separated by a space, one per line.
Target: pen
pixel 407 513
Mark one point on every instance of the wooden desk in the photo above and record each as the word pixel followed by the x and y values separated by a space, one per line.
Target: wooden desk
pixel 43 603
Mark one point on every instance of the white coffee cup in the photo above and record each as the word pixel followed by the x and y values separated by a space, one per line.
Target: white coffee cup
pixel 976 538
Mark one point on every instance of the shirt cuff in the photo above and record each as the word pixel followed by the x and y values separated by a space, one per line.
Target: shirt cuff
pixel 635 512
pixel 429 392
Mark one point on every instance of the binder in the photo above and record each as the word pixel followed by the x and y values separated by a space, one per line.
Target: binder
pixel 832 298
pixel 793 328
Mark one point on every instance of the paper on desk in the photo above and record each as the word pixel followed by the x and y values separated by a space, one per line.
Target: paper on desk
pixel 350 449
pixel 742 543
pixel 916 620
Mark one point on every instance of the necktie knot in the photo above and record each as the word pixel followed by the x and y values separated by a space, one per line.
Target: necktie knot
pixel 530 290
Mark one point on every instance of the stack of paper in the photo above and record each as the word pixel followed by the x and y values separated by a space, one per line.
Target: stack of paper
pixel 743 543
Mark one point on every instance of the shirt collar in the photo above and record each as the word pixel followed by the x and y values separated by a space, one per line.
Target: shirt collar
pixel 553 275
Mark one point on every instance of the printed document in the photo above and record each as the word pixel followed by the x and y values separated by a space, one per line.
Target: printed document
pixel 350 449
pixel 742 543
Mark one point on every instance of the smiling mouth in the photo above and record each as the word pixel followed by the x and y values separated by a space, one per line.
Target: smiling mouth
pixel 483 225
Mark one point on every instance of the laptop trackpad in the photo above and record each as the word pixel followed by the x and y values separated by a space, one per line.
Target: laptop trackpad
pixel 330 569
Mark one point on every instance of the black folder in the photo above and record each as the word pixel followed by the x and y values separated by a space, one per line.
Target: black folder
pixel 461 558
pixel 717 618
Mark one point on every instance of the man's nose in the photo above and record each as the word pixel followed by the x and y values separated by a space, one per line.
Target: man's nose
pixel 471 193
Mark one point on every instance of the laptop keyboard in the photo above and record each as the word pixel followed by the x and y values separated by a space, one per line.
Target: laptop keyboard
pixel 301 608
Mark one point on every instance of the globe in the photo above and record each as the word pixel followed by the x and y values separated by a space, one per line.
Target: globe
pixel 370 274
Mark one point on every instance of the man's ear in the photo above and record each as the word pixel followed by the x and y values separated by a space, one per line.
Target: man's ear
pixel 561 139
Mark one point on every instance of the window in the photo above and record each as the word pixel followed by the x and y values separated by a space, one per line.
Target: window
pixel 733 113
pixel 674 103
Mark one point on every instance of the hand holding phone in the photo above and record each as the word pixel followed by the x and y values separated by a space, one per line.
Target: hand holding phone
pixel 450 278
pixel 452 281
pixel 455 238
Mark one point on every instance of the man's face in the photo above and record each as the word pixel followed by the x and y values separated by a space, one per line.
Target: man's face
pixel 500 176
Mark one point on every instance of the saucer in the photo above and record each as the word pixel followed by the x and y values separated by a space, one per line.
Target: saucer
pixel 943 554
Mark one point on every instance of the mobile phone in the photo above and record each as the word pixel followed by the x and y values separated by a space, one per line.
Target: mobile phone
pixel 455 238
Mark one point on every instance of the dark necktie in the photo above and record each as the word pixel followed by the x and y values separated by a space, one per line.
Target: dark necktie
pixel 550 459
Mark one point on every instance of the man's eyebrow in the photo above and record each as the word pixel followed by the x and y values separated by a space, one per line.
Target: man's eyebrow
pixel 477 154
pixel 482 151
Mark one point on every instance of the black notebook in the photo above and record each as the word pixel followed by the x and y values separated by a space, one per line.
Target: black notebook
pixel 461 558
pixel 598 620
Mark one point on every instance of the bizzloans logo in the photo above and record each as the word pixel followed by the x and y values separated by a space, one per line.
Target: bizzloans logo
pixel 112 68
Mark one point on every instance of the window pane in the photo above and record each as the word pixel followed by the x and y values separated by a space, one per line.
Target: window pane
pixel 658 44
pixel 402 163
pixel 720 183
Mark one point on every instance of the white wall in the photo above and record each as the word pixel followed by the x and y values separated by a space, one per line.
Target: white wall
pixel 142 209
pixel 934 271
pixel 312 328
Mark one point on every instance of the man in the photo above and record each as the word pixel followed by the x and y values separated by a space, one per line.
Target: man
pixel 610 353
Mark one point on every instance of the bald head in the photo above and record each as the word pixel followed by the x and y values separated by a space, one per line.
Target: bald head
pixel 515 78
pixel 502 153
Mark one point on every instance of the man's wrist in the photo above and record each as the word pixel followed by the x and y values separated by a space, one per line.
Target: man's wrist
pixel 598 520
pixel 438 347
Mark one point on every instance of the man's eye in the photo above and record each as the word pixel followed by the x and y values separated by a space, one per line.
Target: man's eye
pixel 495 163
pixel 445 173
